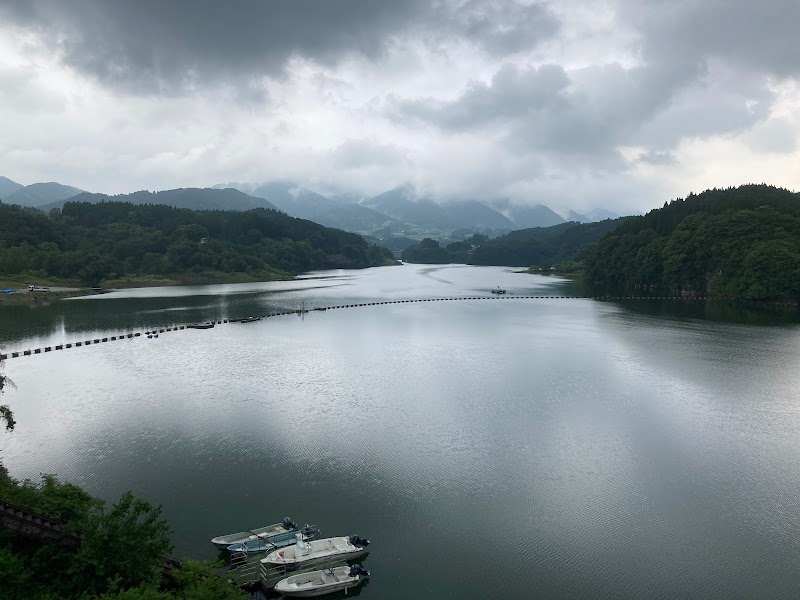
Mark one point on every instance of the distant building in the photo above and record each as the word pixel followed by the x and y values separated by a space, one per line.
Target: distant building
pixel 203 240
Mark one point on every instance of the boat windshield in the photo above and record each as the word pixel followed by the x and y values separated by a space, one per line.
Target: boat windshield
pixel 302 547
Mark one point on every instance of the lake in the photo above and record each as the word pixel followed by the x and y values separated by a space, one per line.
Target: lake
pixel 561 448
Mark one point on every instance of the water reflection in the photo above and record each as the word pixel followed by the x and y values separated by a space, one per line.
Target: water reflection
pixel 543 448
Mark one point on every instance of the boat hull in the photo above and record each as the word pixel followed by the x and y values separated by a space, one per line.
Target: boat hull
pixel 272 542
pixel 313 593
pixel 278 529
pixel 317 552
pixel 319 583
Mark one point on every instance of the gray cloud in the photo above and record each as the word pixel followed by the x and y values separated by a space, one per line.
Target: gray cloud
pixel 757 35
pixel 152 45
pixel 359 154
pixel 654 157
pixel 587 113
pixel 501 28
pixel 511 93
pixel 535 100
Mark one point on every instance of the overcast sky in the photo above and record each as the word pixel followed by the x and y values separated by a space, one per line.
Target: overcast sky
pixel 621 104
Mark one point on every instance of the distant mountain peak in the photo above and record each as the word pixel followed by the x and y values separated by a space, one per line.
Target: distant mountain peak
pixel 575 216
pixel 8 187
pixel 40 194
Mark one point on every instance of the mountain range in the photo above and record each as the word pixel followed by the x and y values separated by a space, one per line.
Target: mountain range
pixel 396 213
pixel 35 195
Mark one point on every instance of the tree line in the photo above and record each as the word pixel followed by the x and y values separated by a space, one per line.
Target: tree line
pixel 742 243
pixel 539 246
pixel 107 240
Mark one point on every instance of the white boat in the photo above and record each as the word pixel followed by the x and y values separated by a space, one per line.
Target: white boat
pixel 318 551
pixel 326 581
pixel 262 533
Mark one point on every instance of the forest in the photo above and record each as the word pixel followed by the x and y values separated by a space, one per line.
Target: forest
pixel 542 246
pixel 428 251
pixel 91 243
pixel 741 243
pixel 539 246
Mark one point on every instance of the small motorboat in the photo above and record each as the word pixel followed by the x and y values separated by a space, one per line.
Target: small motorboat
pixel 318 551
pixel 325 581
pixel 286 526
pixel 498 290
pixel 273 542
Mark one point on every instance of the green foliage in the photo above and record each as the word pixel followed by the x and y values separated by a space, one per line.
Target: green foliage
pixel 122 554
pixel 741 242
pixel 460 252
pixel 123 547
pixel 6 415
pixel 107 240
pixel 193 580
pixel 546 246
pixel 427 251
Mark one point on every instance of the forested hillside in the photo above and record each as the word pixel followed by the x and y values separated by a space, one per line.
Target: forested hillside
pixel 542 246
pixel 428 251
pixel 108 240
pixel 739 242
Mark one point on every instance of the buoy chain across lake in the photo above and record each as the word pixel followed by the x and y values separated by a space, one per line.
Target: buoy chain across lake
pixel 116 338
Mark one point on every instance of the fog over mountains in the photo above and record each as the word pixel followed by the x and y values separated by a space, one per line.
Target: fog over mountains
pixel 399 212
pixel 402 212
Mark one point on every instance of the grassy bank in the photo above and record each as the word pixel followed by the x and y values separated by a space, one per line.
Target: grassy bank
pixel 40 298
pixel 21 281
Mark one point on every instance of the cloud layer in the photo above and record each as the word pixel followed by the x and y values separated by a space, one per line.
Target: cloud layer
pixel 621 105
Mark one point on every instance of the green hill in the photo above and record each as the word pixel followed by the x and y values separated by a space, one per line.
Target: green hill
pixel 543 246
pixel 740 242
pixel 8 187
pixel 40 194
pixel 111 240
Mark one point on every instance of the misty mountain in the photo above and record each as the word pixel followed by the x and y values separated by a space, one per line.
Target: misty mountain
pixel 8 187
pixel 40 194
pixel 192 198
pixel 578 217
pixel 305 204
pixel 537 215
pixel 601 214
pixel 401 204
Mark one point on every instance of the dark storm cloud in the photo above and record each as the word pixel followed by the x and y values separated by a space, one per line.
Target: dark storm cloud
pixel 157 45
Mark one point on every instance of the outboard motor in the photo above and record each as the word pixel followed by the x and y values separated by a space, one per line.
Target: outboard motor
pixel 310 532
pixel 358 571
pixel 357 541
pixel 288 523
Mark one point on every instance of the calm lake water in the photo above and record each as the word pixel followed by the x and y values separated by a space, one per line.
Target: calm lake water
pixel 504 449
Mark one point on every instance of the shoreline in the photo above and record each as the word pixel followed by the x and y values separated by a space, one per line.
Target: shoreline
pixel 64 288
